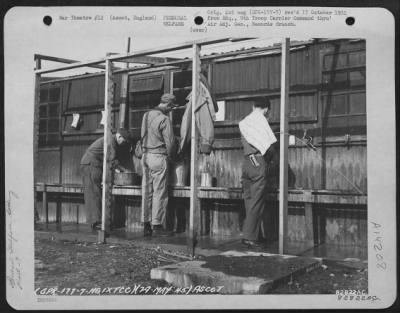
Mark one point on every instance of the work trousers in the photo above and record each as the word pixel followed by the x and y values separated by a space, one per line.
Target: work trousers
pixel 154 188
pixel 254 182
pixel 92 177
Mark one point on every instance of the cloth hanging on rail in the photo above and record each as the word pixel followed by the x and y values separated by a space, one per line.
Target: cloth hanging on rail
pixel 205 116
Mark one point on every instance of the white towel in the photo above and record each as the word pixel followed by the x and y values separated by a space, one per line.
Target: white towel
pixel 256 130
pixel 75 120
pixel 103 118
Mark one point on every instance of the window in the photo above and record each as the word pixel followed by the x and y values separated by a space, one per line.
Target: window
pixel 144 93
pixel 49 117
pixel 182 86
pixel 343 70
pixel 343 96
pixel 344 104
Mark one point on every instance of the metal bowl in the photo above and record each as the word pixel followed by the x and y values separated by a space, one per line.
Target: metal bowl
pixel 127 179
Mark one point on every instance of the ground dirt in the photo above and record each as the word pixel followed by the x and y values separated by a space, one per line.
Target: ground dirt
pixel 67 265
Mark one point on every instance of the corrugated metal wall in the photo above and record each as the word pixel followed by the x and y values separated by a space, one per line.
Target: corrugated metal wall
pixel 264 72
pixel 88 92
pixel 345 168
pixel 224 166
pixel 49 166
pixel 73 150
pixel 330 167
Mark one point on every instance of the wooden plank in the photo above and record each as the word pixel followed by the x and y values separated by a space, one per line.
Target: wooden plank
pixel 284 140
pixel 120 58
pixel 124 95
pixel 70 66
pixel 149 60
pixel 71 78
pixel 194 217
pixel 309 231
pixel 236 55
pixel 58 210
pixel 236 194
pixel 294 195
pixel 77 213
pixel 124 92
pixel 62 60
pixel 45 205
pixel 107 174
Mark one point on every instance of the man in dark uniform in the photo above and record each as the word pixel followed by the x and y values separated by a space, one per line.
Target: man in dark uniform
pixel 92 172
pixel 256 168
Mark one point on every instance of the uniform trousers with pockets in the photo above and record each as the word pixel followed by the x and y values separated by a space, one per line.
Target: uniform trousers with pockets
pixel 92 177
pixel 254 182
pixel 154 188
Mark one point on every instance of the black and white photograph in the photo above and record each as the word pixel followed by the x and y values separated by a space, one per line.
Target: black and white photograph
pixel 191 157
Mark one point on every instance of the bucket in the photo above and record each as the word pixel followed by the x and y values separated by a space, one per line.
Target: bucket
pixel 126 179
pixel 179 174
pixel 206 180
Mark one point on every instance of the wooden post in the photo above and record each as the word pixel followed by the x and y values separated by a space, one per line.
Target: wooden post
pixel 309 224
pixel 107 174
pixel 124 92
pixel 284 139
pixel 194 218
pixel 45 204
pixel 77 213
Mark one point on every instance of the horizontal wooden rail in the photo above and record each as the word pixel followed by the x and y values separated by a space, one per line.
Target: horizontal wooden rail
pixel 295 195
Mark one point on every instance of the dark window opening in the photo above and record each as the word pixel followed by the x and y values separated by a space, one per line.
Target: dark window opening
pixel 343 101
pixel 144 94
pixel 49 117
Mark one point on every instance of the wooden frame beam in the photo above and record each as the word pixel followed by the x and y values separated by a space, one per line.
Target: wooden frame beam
pixel 284 144
pixel 180 46
pixel 107 173
pixel 149 60
pixel 194 217
pixel 120 58
pixel 63 60
pixel 124 92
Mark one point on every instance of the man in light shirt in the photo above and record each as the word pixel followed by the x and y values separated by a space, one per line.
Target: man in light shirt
pixel 255 170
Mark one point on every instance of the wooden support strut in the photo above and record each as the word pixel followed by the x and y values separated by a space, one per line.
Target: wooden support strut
pixel 284 140
pixel 194 218
pixel 124 93
pixel 308 216
pixel 107 173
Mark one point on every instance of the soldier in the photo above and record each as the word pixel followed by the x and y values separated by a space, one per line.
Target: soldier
pixel 158 145
pixel 92 172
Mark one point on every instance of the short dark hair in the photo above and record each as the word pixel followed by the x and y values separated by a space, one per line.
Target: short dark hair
pixel 262 102
pixel 168 98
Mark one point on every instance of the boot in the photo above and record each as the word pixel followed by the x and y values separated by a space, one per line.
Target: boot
pixel 159 231
pixel 147 231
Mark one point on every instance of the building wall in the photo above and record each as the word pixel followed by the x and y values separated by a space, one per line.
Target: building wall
pixel 327 101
